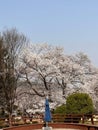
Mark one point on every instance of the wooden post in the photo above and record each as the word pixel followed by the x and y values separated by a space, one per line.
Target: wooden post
pixel 92 121
pixel 83 119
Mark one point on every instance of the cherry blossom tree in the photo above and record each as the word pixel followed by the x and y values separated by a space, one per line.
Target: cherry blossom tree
pixel 47 70
pixel 40 68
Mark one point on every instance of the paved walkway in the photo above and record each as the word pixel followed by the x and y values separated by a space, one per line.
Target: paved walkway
pixel 65 129
pixel 58 129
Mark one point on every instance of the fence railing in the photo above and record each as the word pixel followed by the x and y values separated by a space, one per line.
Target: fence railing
pixel 56 118
pixel 73 118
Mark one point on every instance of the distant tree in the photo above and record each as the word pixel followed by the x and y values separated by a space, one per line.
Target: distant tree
pixel 2 54
pixel 79 103
pixel 12 43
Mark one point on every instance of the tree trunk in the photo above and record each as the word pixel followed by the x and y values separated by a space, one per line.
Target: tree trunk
pixel 10 119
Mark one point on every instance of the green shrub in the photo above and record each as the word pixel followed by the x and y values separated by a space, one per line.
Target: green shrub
pixel 79 103
pixel 60 110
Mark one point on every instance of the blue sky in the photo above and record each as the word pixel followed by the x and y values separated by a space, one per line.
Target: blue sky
pixel 72 24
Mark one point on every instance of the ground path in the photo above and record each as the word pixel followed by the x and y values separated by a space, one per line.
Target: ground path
pixel 59 129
